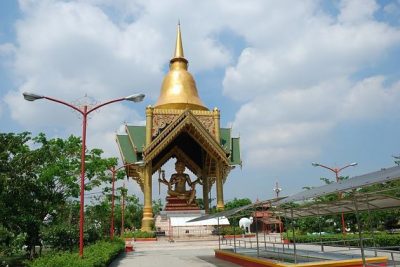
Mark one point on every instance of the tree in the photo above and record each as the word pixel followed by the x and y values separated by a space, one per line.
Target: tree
pixel 236 203
pixel 157 206
pixel 38 176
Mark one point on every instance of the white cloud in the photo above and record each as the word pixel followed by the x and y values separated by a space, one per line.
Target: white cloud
pixel 357 11
pixel 392 8
pixel 292 125
pixel 294 78
pixel 295 93
pixel 7 49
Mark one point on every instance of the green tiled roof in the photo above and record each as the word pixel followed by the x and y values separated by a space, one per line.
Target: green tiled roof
pixel 235 152
pixel 225 138
pixel 137 135
pixel 126 149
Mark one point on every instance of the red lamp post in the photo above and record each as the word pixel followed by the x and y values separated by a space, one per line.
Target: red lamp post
pixel 336 171
pixel 114 171
pixel 84 111
pixel 123 212
pixel 277 190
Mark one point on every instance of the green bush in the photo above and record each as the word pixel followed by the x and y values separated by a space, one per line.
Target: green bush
pixel 11 244
pixel 61 237
pixel 140 234
pixel 66 237
pixel 98 255
pixel 232 230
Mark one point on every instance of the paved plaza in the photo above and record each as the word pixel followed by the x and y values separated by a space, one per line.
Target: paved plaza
pixel 176 254
pixel 201 252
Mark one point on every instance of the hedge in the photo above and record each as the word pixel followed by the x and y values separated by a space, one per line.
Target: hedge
pixel 232 230
pixel 378 239
pixel 139 234
pixel 100 254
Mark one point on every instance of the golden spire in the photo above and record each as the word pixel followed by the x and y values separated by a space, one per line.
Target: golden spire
pixel 178 90
pixel 178 46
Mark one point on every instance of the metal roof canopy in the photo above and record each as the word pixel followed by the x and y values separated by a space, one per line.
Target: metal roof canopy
pixel 366 201
pixel 381 176
pixel 230 213
pixel 384 175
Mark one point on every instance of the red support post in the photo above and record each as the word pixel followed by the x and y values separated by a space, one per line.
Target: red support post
pixel 122 213
pixel 82 208
pixel 112 204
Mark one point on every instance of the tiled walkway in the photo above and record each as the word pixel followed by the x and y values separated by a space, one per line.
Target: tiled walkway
pixel 177 254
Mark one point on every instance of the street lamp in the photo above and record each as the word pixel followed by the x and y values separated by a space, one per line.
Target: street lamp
pixel 336 171
pixel 84 111
pixel 277 190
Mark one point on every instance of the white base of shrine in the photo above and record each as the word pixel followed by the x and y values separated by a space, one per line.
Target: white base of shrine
pixel 175 224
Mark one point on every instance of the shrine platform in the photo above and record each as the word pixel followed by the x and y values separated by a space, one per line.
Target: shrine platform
pixel 180 204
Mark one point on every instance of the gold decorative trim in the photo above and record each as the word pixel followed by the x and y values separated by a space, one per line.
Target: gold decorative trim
pixel 157 111
pixel 136 173
pixel 160 121
pixel 172 130
pixel 162 118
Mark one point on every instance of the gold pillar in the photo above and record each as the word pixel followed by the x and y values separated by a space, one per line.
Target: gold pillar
pixel 147 221
pixel 220 190
pixel 149 124
pixel 205 192
pixel 217 116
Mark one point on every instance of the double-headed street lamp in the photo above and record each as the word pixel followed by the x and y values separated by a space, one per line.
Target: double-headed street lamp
pixel 336 171
pixel 84 110
pixel 277 190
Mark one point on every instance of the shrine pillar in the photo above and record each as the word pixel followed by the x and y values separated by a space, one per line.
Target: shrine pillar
pixel 148 219
pixel 217 117
pixel 219 184
pixel 149 124
pixel 205 192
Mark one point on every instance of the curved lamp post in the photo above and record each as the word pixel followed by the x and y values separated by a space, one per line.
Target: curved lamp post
pixel 84 111
pixel 337 171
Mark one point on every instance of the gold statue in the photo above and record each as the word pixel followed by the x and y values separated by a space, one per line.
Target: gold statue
pixel 179 180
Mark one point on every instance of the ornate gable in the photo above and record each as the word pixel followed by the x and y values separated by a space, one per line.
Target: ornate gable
pixel 189 129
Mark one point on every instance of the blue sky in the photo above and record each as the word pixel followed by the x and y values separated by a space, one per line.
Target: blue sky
pixel 299 81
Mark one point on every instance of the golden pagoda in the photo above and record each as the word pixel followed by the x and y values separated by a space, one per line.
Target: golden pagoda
pixel 178 90
pixel 179 126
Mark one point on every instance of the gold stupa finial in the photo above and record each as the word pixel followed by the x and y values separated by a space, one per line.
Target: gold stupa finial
pixel 178 90
pixel 178 46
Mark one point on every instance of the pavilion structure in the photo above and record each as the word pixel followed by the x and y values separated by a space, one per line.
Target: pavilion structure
pixel 179 126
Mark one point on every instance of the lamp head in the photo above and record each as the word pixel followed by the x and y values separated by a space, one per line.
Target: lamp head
pixel 315 164
pixel 353 164
pixel 31 97
pixel 135 97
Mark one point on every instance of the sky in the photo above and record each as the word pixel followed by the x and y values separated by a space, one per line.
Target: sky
pixel 298 81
